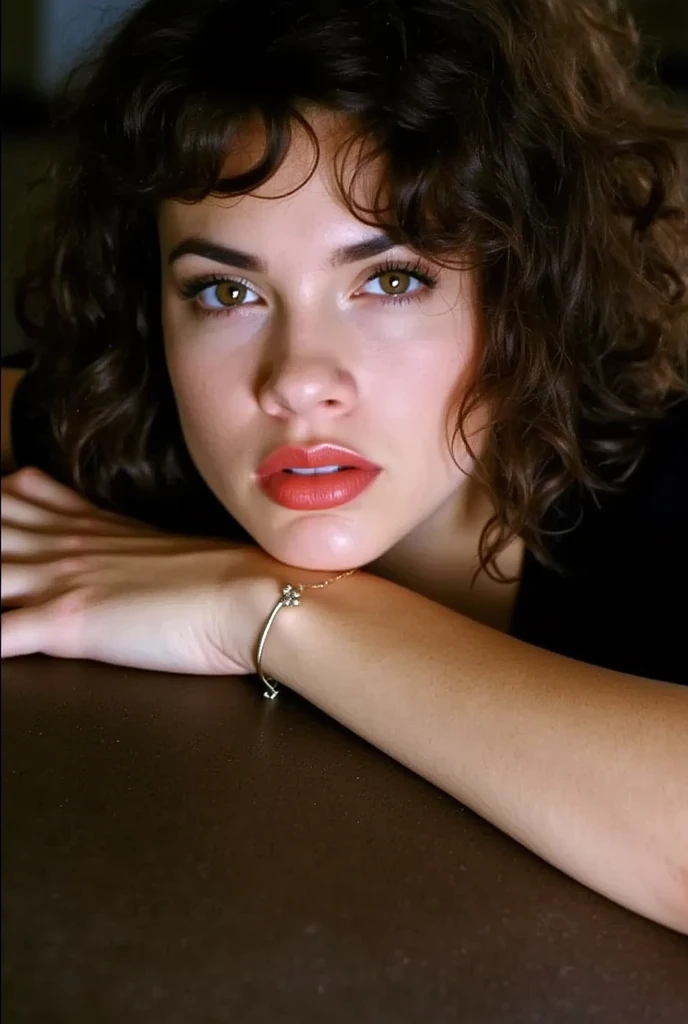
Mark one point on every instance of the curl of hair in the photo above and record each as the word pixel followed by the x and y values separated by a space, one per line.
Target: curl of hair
pixel 521 138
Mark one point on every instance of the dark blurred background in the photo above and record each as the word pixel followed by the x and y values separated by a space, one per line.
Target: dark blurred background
pixel 42 39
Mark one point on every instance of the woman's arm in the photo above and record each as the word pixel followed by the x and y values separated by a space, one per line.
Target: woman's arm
pixel 10 380
pixel 585 766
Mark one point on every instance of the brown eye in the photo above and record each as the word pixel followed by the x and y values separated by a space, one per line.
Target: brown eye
pixel 230 293
pixel 394 282
pixel 397 283
pixel 220 296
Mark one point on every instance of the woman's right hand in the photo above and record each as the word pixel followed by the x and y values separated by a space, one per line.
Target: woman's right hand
pixel 81 582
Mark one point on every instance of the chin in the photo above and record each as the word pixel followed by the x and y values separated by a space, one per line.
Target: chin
pixel 318 549
pixel 315 561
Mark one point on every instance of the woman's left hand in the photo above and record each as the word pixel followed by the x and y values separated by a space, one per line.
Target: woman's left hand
pixel 81 582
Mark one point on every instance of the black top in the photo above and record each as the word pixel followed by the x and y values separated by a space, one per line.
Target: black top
pixel 620 601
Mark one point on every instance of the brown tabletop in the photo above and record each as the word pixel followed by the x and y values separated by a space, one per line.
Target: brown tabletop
pixel 178 850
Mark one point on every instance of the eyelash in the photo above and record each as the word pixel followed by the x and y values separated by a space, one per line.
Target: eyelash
pixel 195 285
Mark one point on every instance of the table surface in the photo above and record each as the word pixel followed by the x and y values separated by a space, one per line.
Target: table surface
pixel 178 850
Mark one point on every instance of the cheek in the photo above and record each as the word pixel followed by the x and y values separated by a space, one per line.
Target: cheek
pixel 202 401
pixel 203 378
pixel 436 374
pixel 209 368
pixel 184 358
pixel 438 379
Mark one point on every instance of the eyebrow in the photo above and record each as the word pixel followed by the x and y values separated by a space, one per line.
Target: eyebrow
pixel 369 247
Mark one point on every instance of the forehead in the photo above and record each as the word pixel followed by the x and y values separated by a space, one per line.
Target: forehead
pixel 303 190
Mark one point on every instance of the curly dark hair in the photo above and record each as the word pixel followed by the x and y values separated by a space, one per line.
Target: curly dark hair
pixel 526 139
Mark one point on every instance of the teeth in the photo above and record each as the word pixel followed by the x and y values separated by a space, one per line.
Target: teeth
pixel 315 472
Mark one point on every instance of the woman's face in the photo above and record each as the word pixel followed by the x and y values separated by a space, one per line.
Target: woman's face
pixel 306 349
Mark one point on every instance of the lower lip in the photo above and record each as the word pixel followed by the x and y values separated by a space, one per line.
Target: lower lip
pixel 314 493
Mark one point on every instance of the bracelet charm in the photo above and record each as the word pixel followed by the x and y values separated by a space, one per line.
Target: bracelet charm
pixel 291 598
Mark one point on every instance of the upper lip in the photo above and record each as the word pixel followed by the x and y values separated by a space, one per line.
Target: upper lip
pixel 290 456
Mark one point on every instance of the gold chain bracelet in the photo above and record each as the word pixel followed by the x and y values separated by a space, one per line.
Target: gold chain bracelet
pixel 291 598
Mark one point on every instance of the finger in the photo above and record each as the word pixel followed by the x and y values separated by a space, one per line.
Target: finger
pixel 31 582
pixel 54 628
pixel 16 633
pixel 19 582
pixel 19 544
pixel 33 484
pixel 21 632
pixel 22 513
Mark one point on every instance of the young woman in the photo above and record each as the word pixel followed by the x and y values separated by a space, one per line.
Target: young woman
pixel 437 251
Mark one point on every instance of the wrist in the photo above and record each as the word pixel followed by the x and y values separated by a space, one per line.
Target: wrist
pixel 291 624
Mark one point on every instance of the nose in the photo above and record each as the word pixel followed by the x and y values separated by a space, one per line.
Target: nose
pixel 305 383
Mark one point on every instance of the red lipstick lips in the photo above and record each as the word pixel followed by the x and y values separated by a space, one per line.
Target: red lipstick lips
pixel 346 474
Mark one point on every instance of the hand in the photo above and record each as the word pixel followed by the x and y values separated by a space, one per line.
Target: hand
pixel 86 583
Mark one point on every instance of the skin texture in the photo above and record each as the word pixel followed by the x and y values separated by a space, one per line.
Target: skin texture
pixel 314 353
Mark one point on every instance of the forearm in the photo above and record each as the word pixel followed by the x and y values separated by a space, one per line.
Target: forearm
pixel 586 767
